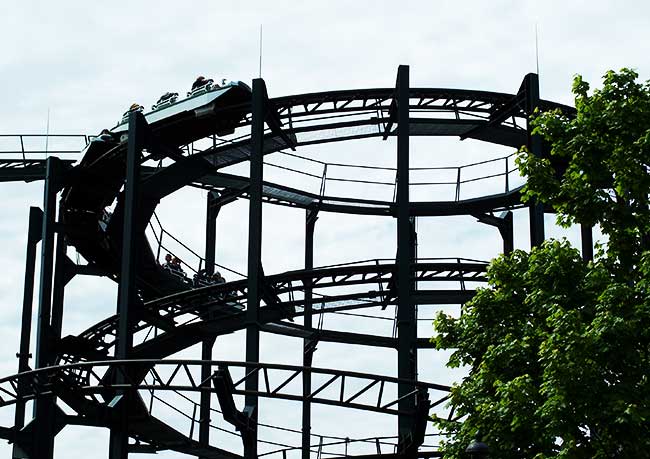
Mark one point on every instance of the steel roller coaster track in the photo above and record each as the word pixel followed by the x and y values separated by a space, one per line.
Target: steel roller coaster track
pixel 107 202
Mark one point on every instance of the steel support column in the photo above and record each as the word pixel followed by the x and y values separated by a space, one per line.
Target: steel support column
pixel 44 406
pixel 212 211
pixel 127 289
pixel 308 344
pixel 254 257
pixel 60 280
pixel 34 234
pixel 534 144
pixel 504 224
pixel 204 412
pixel 507 233
pixel 587 238
pixel 406 325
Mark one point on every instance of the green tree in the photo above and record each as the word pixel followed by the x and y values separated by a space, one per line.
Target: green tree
pixel 559 349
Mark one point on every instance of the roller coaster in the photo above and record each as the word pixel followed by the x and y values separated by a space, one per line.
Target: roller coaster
pixel 115 373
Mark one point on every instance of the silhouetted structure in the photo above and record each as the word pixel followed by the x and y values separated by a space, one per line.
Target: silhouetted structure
pixel 101 373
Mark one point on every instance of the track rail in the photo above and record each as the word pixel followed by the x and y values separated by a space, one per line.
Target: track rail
pixel 195 147
pixel 221 307
pixel 341 388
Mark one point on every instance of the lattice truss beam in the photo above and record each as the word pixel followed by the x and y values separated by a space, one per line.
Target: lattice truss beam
pixel 94 381
pixel 159 323
pixel 221 307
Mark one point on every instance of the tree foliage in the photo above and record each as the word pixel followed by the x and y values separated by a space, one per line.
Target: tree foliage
pixel 559 349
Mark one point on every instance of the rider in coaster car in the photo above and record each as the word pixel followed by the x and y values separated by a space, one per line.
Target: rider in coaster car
pixel 217 278
pixel 200 278
pixel 176 265
pixel 200 82
pixel 166 96
pixel 105 136
pixel 168 261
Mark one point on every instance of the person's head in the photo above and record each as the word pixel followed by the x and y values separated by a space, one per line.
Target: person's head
pixel 105 132
pixel 218 274
pixel 176 261
pixel 168 258
pixel 135 106
pixel 200 78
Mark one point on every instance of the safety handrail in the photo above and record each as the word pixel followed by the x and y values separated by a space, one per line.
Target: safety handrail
pixel 326 174
pixel 392 261
pixel 25 152
pixel 158 237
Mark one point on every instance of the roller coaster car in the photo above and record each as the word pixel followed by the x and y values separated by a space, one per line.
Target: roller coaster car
pixel 104 137
pixel 97 147
pixel 207 87
pixel 180 276
pixel 199 103
pixel 125 116
pixel 165 100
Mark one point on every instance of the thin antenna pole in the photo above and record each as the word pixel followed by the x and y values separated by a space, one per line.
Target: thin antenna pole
pixel 47 132
pixel 260 50
pixel 536 50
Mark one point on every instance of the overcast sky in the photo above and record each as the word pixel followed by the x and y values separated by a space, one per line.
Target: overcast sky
pixel 86 65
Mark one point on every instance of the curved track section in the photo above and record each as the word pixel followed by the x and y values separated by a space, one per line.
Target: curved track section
pixel 376 393
pixel 468 114
pixel 177 321
pixel 171 316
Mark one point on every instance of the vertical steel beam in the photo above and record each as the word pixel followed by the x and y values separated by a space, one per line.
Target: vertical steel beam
pixel 127 289
pixel 43 347
pixel 504 224
pixel 308 349
pixel 534 144
pixel 60 281
pixel 204 412
pixel 254 256
pixel 507 233
pixel 34 234
pixel 211 214
pixel 44 406
pixel 406 325
pixel 212 211
pixel 587 238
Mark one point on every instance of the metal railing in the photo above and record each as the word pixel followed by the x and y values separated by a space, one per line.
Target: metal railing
pixel 326 175
pixel 325 444
pixel 30 145
pixel 160 233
